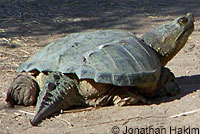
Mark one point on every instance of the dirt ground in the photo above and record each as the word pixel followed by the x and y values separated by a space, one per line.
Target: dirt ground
pixel 28 25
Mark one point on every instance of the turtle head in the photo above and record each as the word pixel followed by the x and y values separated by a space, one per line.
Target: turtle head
pixel 168 39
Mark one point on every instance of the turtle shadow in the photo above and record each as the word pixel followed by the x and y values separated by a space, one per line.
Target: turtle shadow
pixel 188 84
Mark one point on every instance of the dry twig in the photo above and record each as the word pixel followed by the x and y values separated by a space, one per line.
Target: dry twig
pixel 81 110
pixel 24 51
pixel 25 112
pixel 70 124
pixel 5 52
pixel 185 113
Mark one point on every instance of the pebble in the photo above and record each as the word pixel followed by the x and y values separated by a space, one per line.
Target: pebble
pixel 188 71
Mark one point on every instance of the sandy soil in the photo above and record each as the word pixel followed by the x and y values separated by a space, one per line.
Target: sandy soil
pixel 27 26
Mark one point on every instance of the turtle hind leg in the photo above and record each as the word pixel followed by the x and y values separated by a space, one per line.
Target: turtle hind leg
pixel 126 96
pixel 58 92
pixel 22 91
pixel 167 84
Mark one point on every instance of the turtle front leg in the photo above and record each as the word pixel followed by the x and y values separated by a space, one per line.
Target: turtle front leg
pixel 167 84
pixel 58 92
pixel 22 91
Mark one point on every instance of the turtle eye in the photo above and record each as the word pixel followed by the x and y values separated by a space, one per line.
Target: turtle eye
pixel 182 20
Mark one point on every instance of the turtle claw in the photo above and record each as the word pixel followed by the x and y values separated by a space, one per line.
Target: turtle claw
pixel 127 97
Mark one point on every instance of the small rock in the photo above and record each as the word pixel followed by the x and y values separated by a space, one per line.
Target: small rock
pixel 188 71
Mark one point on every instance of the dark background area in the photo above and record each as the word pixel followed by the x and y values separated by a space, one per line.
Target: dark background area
pixel 43 17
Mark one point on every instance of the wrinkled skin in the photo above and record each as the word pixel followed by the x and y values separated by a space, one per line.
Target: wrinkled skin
pixel 60 91
pixel 168 39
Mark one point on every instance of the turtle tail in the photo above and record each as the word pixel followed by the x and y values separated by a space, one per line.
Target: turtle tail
pixel 58 92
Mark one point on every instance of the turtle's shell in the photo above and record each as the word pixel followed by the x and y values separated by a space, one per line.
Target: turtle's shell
pixel 106 56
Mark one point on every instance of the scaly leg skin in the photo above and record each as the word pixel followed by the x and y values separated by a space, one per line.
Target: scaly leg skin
pixel 58 92
pixel 167 84
pixel 22 91
pixel 126 96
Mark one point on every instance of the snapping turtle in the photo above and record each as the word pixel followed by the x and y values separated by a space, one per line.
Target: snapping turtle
pixel 99 68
